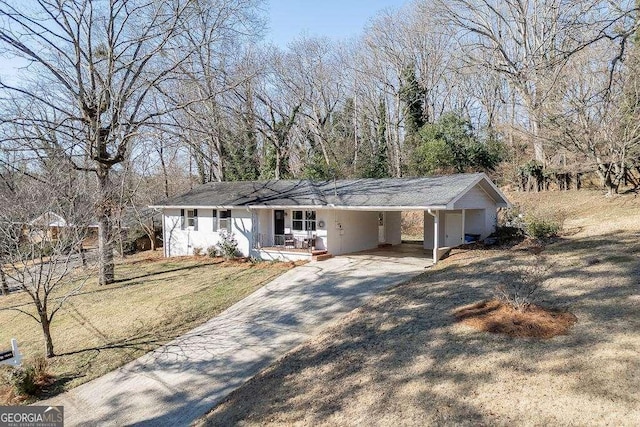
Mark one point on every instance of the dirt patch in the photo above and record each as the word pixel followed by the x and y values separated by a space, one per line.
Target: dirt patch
pixel 499 318
pixel 533 246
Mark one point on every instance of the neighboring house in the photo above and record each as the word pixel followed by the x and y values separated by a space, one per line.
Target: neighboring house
pixel 133 226
pixel 292 220
pixel 50 226
pixel 47 226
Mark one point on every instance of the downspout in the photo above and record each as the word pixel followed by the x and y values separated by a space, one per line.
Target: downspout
pixel 435 235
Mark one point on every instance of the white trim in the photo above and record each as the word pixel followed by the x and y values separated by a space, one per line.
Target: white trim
pixel 463 193
pixel 436 218
pixel 482 177
pixel 311 207
pixel 463 225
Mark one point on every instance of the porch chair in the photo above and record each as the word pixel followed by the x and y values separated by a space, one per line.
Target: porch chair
pixel 289 241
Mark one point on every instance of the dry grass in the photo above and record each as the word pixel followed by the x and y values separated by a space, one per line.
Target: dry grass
pixel 403 359
pixel 412 226
pixel 156 300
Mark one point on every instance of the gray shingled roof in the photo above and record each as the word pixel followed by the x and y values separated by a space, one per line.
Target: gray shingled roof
pixel 391 192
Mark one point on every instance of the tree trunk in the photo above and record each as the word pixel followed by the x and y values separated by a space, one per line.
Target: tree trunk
pixel 608 182
pixel 3 282
pixel 46 331
pixel 105 232
pixel 538 149
pixel 152 240
pixel 165 175
pixel 278 161
pixel 83 256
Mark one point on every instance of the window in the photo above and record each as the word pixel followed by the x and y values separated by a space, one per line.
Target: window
pixel 214 220
pixel 224 220
pixel 190 220
pixel 297 224
pixel 310 223
pixel 304 221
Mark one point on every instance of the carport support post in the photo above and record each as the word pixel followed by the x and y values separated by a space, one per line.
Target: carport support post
pixel 463 224
pixel 436 217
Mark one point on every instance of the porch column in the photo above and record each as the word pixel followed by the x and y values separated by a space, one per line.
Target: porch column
pixel 436 232
pixel 463 223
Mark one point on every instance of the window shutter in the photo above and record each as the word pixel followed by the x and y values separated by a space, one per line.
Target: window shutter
pixel 195 219
pixel 214 217
pixel 183 221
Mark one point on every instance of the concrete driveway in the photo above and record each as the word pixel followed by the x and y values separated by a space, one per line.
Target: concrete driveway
pixel 182 380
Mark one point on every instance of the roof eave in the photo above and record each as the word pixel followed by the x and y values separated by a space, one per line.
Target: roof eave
pixel 334 207
pixel 504 202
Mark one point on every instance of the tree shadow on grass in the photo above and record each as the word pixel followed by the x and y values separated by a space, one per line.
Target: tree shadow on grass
pixel 403 355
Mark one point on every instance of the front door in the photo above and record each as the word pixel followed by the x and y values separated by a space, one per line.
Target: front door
pixel 278 223
pixel 382 238
pixel 453 229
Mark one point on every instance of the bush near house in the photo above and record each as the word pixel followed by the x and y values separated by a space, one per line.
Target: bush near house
pixel 536 224
pixel 228 245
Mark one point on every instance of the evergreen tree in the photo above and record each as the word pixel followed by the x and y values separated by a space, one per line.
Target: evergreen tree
pixel 378 167
pixel 411 95
pixel 451 145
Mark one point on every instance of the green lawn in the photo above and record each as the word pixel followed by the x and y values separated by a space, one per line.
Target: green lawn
pixel 154 301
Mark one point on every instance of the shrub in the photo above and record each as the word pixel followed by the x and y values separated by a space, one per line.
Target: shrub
pixel 521 286
pixel 227 245
pixel 536 225
pixel 505 234
pixel 27 380
pixel 197 251
pixel 212 251
pixel 539 228
pixel 40 365
pixel 512 218
pixel 23 380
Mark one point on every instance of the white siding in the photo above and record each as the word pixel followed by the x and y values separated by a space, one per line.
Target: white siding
pixel 475 198
pixel 241 229
pixel 393 227
pixel 491 221
pixel 265 226
pixel 428 230
pixel 475 223
pixel 181 242
pixel 322 232
pixel 352 231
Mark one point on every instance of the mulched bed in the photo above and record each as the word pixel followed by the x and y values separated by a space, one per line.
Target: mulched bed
pixel 499 318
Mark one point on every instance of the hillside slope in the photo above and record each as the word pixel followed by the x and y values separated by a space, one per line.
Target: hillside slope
pixel 402 358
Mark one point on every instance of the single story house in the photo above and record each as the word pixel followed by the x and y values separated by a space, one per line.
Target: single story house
pixel 295 219
pixel 47 226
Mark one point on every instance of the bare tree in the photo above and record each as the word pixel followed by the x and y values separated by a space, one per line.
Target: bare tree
pixel 41 233
pixel 529 43
pixel 93 66
pixel 598 117
pixel 279 99
pixel 217 68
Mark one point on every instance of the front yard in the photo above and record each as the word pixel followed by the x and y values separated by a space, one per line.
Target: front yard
pixel 155 300
pixel 402 359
